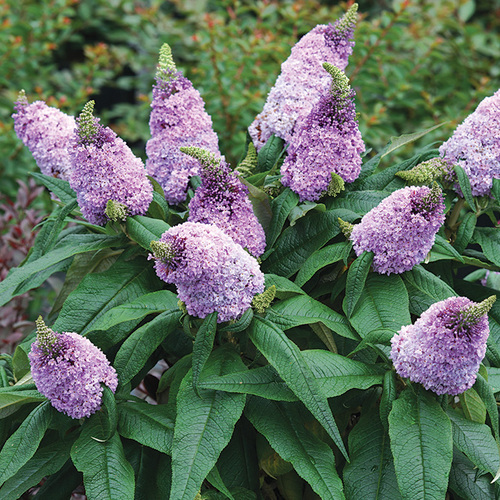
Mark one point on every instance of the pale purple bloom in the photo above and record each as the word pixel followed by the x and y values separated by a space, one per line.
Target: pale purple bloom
pixel 69 370
pixel 401 230
pixel 302 80
pixel 222 200
pixel 326 141
pixel 104 169
pixel 211 271
pixel 178 118
pixel 475 146
pixel 46 132
pixel 444 348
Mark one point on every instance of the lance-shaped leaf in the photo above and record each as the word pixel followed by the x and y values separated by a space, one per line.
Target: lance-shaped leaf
pixel 281 207
pixel 143 230
pixel 203 426
pixel 485 391
pixel 356 277
pixel 465 231
pixel 203 344
pixel 59 187
pixel 421 444
pixel 284 426
pixel 11 400
pixel 289 362
pixel 489 239
pixel 443 250
pixel 463 181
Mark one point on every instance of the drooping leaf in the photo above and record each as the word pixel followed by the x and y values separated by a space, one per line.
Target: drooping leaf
pixel 281 207
pixel 463 181
pixel 443 250
pixel 143 230
pixel 59 187
pixel 465 232
pixel 11 400
pixel 489 239
pixel 356 277
pixel 202 347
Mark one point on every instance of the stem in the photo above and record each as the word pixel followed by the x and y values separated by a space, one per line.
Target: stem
pixel 455 213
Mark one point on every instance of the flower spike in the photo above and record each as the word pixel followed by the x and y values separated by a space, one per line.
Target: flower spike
pixel 166 65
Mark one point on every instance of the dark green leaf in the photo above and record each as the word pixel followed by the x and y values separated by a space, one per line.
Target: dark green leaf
pixel 143 230
pixel 463 181
pixel 281 207
pixel 388 397
pixel 59 187
pixel 20 364
pixel 60 486
pixel 216 481
pixel 284 287
pixel 108 413
pixel 485 391
pixel 465 231
pixel 443 250
pixel 380 336
pixel 203 345
pixel 472 405
pixel 359 202
pixel 158 209
pixel 489 239
pixel 269 154
pixel 11 401
pixel 356 277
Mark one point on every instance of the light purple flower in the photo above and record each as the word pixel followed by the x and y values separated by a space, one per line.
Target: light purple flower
pixel 222 200
pixel 178 118
pixel 46 132
pixel 105 169
pixel 69 370
pixel 302 80
pixel 401 230
pixel 326 141
pixel 444 348
pixel 211 271
pixel 475 146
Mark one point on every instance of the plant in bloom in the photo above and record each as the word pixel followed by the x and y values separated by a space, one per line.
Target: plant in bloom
pixel 302 82
pixel 401 230
pixel 178 118
pixel 444 348
pixel 69 370
pixel 475 146
pixel 222 199
pixel 105 169
pixel 211 271
pixel 46 132
pixel 327 141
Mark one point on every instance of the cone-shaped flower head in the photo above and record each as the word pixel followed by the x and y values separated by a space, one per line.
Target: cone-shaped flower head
pixel 223 200
pixel 104 169
pixel 425 172
pixel 302 80
pixel 475 146
pixel 444 348
pixel 69 370
pixel 327 145
pixel 401 230
pixel 178 118
pixel 46 132
pixel 211 271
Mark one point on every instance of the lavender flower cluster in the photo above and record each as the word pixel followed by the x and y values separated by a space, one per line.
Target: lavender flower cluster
pixel 211 271
pixel 301 82
pixel 222 200
pixel 444 348
pixel 475 146
pixel 401 230
pixel 69 370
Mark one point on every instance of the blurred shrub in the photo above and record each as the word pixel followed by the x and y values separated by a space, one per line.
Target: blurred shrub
pixel 420 62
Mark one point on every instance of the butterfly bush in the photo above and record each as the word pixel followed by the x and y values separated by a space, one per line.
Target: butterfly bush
pixel 475 146
pixel 211 271
pixel 327 141
pixel 302 81
pixel 104 170
pixel 69 370
pixel 178 118
pixel 46 132
pixel 401 230
pixel 222 200
pixel 444 348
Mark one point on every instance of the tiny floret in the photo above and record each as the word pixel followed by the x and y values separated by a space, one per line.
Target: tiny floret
pixel 211 271
pixel 69 370
pixel 444 348
pixel 401 230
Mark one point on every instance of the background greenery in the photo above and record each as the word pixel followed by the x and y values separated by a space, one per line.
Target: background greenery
pixel 416 63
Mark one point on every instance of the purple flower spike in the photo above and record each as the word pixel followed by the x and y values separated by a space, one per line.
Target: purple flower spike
pixel 401 230
pixel 222 200
pixel 326 142
pixel 444 348
pixel 46 132
pixel 69 370
pixel 211 271
pixel 302 80
pixel 475 146
pixel 178 118
pixel 105 169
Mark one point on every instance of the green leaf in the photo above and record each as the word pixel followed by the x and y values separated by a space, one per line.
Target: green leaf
pixel 60 486
pixel 108 413
pixel 22 445
pixel 489 239
pixel 302 209
pixel 465 232
pixel 284 287
pixel 46 461
pixel 371 471
pixel 143 230
pixel 473 406
pixel 11 401
pixel 137 349
pixel 356 277
pixel 215 479
pixel 303 310
pixel 424 289
pixel 383 304
pixel 359 202
pixel 284 426
pixel 388 397
pixel 59 187
pixel 269 154
pixel 380 336
pixel 443 250
pixel 203 345
pixel 20 364
pixel 106 472
pixel 476 441
pixel 240 324
pixel 281 207
pixel 421 444
pixel 485 391
pixel 203 426
pixel 463 181
pixel 288 361
pixel 147 424
pixel 158 209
